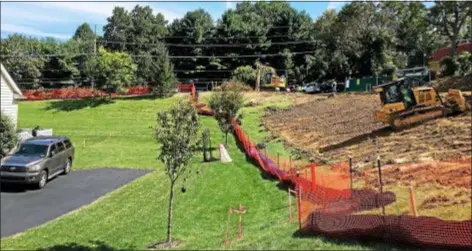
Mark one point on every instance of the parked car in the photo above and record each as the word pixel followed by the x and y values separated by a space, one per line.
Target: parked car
pixel 292 88
pixel 304 86
pixel 313 88
pixel 38 160
pixel 327 86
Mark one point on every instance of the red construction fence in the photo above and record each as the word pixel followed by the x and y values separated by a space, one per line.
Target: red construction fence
pixel 76 93
pixel 337 201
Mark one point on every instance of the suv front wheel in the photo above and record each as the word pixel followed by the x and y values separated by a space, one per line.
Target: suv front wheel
pixel 43 179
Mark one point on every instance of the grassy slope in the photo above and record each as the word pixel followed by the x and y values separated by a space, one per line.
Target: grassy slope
pixel 135 215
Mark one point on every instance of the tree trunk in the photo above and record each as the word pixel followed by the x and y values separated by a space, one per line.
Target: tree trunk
pixel 453 45
pixel 169 217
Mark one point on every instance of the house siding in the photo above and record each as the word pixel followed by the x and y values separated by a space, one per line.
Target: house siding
pixel 7 104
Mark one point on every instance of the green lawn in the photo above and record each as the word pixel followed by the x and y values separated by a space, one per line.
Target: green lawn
pixel 118 134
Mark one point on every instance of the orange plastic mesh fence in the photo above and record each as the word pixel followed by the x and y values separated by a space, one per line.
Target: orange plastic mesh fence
pixel 364 204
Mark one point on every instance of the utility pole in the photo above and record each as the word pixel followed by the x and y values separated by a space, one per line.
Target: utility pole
pixel 258 78
pixel 94 50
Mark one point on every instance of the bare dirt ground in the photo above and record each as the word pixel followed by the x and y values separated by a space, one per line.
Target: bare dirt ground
pixel 433 157
pixel 320 126
pixel 259 98
pixel 442 188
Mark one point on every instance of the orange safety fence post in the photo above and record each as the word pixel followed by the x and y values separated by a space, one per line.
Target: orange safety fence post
pixel 350 172
pixel 278 160
pixel 379 166
pixel 313 177
pixel 299 201
pixel 289 206
pixel 412 201
pixel 241 211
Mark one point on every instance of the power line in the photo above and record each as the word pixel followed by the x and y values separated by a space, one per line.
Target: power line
pixel 172 57
pixel 54 79
pixel 242 56
pixel 209 45
pixel 230 37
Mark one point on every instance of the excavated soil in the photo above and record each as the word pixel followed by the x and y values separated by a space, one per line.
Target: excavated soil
pixel 430 178
pixel 451 173
pixel 432 156
pixel 331 130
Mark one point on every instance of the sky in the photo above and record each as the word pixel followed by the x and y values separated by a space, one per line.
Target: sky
pixel 59 19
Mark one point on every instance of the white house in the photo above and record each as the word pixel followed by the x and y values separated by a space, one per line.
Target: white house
pixel 10 93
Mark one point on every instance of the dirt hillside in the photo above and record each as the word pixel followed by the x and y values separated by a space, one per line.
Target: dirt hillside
pixel 316 126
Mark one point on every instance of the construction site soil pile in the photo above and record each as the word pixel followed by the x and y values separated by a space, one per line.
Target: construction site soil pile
pixel 331 130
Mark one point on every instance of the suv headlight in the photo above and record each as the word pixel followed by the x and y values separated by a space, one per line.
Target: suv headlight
pixel 35 167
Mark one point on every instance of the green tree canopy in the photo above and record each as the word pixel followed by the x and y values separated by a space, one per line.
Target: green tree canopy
pixel 112 70
pixel 84 33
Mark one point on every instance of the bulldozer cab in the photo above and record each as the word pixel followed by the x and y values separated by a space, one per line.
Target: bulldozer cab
pixel 397 91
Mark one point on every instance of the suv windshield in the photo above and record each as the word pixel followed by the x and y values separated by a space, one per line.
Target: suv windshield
pixel 30 149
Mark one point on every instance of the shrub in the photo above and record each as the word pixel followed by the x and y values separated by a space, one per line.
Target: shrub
pixel 449 66
pixel 233 85
pixel 245 74
pixel 464 62
pixel 8 137
pixel 121 90
pixel 225 105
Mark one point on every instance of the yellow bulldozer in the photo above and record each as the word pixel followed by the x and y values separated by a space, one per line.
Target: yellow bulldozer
pixel 404 105
pixel 271 79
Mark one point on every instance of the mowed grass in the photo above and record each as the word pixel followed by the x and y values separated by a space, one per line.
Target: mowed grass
pixel 118 134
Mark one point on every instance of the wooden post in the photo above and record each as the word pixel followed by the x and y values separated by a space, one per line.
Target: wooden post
pixel 227 241
pixel 350 171
pixel 313 177
pixel 299 201
pixel 380 174
pixel 380 182
pixel 278 161
pixel 240 228
pixel 412 201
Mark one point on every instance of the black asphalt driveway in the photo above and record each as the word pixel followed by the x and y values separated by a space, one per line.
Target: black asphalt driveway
pixel 22 209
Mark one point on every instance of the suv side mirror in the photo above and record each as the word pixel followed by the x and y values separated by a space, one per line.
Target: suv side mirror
pixel 51 154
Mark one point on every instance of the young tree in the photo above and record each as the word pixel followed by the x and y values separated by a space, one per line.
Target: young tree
pixel 225 105
pixel 8 137
pixel 112 70
pixel 176 133
pixel 163 81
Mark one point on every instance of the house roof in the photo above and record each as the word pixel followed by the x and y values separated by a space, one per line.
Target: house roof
pixel 11 83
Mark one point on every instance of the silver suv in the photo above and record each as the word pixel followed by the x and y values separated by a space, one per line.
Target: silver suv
pixel 38 160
